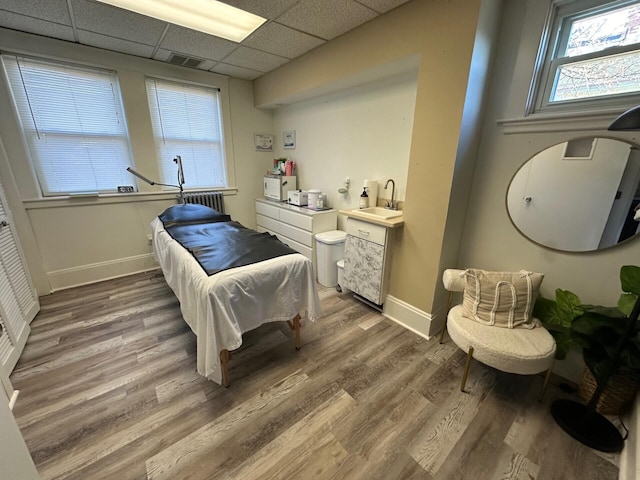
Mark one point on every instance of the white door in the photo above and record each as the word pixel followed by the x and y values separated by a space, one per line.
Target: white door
pixel 18 298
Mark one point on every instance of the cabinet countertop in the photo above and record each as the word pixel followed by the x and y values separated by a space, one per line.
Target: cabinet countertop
pixel 294 208
pixel 394 222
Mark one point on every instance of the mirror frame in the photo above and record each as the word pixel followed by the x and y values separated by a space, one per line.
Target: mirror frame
pixel 632 145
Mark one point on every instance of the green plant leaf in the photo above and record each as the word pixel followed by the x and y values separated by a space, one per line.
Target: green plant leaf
pixel 630 279
pixel 558 314
pixel 598 328
pixel 626 303
pixel 564 343
pixel 568 303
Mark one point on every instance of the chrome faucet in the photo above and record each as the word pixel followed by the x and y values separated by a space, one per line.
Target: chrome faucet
pixel 391 205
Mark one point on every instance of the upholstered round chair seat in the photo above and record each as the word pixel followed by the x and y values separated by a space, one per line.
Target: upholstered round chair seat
pixel 515 350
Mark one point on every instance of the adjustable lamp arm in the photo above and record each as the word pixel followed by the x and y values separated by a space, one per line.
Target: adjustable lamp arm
pixel 178 161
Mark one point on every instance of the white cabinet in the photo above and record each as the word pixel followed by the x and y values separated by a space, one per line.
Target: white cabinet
pixel 295 226
pixel 18 299
pixel 367 257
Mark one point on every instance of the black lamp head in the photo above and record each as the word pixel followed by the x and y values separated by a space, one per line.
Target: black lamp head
pixel 628 121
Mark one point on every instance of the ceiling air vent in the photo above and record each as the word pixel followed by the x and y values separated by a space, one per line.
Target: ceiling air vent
pixel 184 61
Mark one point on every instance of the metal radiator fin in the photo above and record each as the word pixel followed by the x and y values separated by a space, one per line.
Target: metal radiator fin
pixel 213 200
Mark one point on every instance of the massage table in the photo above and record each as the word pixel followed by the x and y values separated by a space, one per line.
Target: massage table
pixel 230 280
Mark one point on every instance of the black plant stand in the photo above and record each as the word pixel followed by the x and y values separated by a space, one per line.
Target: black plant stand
pixel 582 422
pixel 587 426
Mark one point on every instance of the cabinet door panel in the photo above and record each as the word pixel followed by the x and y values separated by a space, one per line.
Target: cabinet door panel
pixel 363 268
pixel 18 299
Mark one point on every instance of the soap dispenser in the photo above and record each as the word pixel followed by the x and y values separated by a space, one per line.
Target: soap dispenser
pixel 364 199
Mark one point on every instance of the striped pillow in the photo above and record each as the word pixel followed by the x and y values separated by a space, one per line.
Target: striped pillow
pixel 501 299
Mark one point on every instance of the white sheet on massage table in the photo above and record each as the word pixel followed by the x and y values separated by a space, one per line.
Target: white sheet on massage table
pixel 219 308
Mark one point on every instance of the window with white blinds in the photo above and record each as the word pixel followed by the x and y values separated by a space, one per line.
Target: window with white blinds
pixel 187 122
pixel 73 123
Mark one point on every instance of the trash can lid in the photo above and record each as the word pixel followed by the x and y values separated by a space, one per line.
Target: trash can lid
pixel 332 237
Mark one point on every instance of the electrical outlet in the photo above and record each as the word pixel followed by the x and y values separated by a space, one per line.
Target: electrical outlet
pixel 125 189
pixel 149 239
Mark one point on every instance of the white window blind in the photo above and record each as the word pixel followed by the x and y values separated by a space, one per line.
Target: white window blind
pixel 73 123
pixel 187 122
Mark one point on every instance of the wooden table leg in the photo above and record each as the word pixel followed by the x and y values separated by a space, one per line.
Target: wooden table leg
pixel 296 331
pixel 294 324
pixel 225 356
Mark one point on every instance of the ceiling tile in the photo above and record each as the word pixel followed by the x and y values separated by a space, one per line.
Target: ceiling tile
pixel 197 44
pixel 34 25
pixel 283 41
pixel 382 6
pixel 236 72
pixel 162 55
pixel 114 44
pixel 270 9
pixel 116 22
pixel 326 18
pixel 206 65
pixel 254 59
pixel 49 10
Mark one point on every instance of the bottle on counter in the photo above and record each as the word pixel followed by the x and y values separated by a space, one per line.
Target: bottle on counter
pixel 364 199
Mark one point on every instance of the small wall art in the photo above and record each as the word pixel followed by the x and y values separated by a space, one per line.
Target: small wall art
pixel 289 139
pixel 263 142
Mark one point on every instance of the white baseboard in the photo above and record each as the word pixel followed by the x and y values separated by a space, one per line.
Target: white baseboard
pixel 407 315
pixel 97 272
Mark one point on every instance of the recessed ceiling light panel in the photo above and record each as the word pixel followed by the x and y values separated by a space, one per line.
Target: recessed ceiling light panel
pixel 208 16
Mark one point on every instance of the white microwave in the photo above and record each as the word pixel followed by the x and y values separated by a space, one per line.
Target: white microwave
pixel 277 186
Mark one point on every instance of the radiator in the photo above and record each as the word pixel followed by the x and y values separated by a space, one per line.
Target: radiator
pixel 213 200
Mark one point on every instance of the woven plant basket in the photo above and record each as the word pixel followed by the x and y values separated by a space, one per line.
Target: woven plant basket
pixel 617 396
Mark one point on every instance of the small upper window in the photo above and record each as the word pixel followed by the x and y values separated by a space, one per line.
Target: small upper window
pixel 73 124
pixel 187 122
pixel 592 56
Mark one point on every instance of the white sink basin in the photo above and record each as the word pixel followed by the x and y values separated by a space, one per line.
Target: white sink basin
pixel 379 212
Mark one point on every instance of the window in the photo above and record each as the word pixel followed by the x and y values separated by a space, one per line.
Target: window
pixel 73 123
pixel 591 56
pixel 187 122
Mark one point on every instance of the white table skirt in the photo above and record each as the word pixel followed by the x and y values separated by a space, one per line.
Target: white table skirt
pixel 221 307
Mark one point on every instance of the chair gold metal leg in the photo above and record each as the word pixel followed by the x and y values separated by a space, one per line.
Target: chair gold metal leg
pixel 446 314
pixel 444 329
pixel 467 365
pixel 546 381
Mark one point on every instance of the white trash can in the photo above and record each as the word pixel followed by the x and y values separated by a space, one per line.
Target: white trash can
pixel 329 249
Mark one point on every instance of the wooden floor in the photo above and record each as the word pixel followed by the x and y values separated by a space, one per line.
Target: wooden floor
pixel 108 389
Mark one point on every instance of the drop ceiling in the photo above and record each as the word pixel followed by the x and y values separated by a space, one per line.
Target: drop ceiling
pixel 293 28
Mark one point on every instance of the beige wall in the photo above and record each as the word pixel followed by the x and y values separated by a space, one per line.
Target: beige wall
pixel 71 241
pixel 360 133
pixel 442 34
pixel 490 240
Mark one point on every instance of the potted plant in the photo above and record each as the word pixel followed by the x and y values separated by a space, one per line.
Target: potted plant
pixel 596 330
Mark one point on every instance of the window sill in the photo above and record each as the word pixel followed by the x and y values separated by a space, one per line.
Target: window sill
pixel 111 198
pixel 560 122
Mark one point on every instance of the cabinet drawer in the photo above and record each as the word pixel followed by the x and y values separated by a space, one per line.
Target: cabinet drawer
pixel 296 219
pixel 268 210
pixel 367 231
pixel 302 236
pixel 298 247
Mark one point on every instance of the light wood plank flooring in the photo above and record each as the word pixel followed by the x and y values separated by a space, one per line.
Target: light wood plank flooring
pixel 108 389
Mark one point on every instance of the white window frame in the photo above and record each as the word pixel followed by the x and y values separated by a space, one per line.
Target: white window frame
pixel 553 37
pixel 33 132
pixel 165 161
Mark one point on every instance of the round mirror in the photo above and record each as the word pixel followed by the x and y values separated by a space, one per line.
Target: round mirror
pixel 578 196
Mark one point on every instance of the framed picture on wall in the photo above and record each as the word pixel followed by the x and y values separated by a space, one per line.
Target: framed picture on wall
pixel 263 142
pixel 289 139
